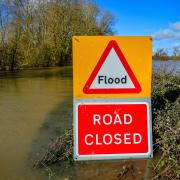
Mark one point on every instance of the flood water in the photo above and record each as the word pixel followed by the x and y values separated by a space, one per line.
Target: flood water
pixel 35 107
pixel 30 101
pixel 168 66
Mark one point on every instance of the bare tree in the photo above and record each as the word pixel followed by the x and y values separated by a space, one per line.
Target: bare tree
pixel 176 51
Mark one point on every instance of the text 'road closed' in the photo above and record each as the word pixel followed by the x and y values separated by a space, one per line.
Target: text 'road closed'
pixel 112 128
pixel 117 138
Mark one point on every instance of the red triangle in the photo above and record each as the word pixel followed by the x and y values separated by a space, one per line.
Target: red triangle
pixel 137 89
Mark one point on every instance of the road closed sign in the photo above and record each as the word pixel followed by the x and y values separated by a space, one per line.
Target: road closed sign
pixel 112 101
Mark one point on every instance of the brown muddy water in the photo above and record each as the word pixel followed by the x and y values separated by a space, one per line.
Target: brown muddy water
pixel 35 107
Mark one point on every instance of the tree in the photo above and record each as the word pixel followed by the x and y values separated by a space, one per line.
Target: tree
pixel 176 53
pixel 39 32
pixel 161 54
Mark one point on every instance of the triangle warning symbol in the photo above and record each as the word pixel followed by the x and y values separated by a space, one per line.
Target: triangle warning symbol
pixel 112 74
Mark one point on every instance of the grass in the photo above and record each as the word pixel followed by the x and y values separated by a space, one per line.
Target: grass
pixel 166 131
pixel 61 149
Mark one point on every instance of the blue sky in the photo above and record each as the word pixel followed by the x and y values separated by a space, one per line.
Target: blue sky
pixel 159 18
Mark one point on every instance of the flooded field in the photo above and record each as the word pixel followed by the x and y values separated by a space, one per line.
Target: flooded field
pixel 35 107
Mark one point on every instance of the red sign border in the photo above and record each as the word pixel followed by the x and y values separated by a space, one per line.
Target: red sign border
pixel 112 44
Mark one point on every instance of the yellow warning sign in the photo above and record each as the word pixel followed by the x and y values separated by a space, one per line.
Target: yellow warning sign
pixel 112 66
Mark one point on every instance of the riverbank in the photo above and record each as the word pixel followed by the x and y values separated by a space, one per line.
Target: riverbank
pixel 166 126
pixel 167 59
pixel 172 59
pixel 37 72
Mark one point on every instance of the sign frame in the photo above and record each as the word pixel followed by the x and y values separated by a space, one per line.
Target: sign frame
pixel 146 101
pixel 137 51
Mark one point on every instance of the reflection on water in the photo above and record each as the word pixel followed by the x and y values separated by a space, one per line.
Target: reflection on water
pixel 35 106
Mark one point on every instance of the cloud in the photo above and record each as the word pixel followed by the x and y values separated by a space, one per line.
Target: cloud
pixel 176 45
pixel 176 26
pixel 170 33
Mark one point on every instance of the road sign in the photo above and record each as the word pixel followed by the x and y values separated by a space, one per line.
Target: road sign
pixel 112 91
pixel 112 130
pixel 112 74
pixel 127 59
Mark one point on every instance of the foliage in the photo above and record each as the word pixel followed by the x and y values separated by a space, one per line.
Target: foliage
pixel 38 33
pixel 166 125
pixel 161 54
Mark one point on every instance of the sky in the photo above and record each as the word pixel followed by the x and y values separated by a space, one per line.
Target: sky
pixel 158 18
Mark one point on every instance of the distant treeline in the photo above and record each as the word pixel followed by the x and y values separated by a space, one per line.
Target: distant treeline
pixel 162 54
pixel 37 33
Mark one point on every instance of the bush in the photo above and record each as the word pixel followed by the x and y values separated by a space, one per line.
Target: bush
pixel 166 125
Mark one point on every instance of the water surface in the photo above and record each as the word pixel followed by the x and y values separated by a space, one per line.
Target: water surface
pixel 27 102
pixel 35 107
pixel 168 66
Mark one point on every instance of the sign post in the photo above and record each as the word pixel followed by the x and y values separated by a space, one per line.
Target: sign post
pixel 112 97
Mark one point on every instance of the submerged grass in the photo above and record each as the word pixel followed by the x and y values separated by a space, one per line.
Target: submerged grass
pixel 166 131
pixel 61 149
